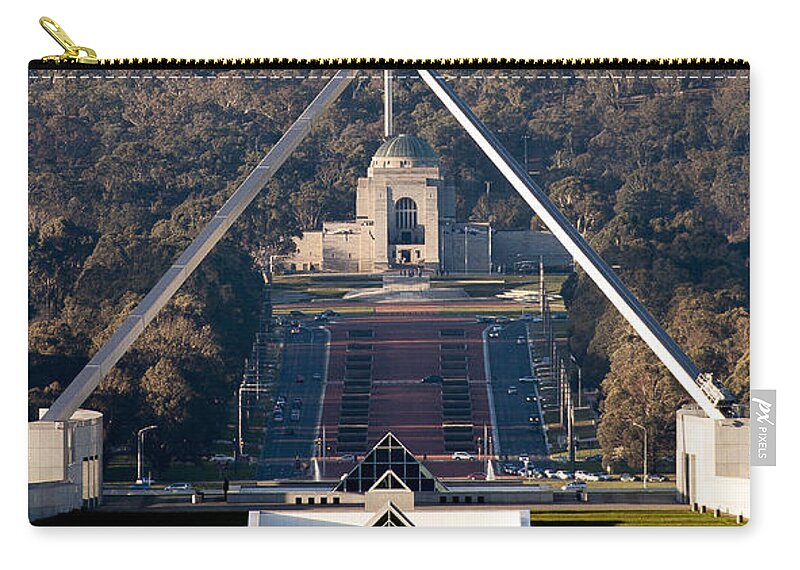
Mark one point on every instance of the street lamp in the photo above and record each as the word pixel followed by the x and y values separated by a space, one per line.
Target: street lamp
pixel 578 366
pixel 525 139
pixel 139 446
pixel 644 455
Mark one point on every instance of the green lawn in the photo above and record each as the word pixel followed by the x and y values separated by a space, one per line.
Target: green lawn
pixel 637 517
pixel 332 286
pixel 122 469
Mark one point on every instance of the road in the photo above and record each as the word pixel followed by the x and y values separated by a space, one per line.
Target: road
pixel 304 354
pixel 509 361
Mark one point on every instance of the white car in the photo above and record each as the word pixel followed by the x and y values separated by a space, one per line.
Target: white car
pixel 511 390
pixel 462 455
pixel 221 458
pixel 527 380
pixel 178 487
pixel 574 486
pixel 521 340
pixel 592 477
pixel 581 475
pixel 550 473
pixel 563 475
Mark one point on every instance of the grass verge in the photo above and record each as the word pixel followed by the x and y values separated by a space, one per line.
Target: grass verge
pixel 637 517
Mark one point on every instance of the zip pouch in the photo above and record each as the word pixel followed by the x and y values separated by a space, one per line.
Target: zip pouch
pixel 388 292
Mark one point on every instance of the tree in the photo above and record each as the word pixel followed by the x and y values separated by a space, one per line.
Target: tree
pixel 638 389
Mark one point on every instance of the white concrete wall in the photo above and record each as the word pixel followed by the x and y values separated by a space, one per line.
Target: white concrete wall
pixel 308 252
pixel 717 454
pixel 65 464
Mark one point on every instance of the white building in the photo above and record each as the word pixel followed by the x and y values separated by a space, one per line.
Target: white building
pixel 406 216
pixel 712 462
pixel 65 464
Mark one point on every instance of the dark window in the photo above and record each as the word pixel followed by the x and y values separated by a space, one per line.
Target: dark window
pixel 311 500
pixel 455 498
pixel 467 499
pixel 323 500
pixel 405 212
pixel 336 500
pixel 442 499
pixel 298 500
pixel 481 499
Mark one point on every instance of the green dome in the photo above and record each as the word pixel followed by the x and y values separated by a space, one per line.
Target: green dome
pixel 406 146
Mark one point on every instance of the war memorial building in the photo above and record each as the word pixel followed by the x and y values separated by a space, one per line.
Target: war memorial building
pixel 406 216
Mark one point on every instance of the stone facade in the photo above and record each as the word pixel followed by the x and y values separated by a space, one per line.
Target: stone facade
pixel 65 464
pixel 406 216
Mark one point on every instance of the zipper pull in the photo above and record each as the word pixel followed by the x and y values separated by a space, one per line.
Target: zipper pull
pixel 72 52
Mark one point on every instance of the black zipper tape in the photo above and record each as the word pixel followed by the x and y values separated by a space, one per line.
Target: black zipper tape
pixel 381 63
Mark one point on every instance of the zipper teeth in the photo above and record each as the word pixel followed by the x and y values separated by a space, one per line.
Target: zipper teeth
pixel 439 63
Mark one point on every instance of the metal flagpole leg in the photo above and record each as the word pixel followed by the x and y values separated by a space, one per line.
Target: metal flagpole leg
pixel 708 393
pixel 89 378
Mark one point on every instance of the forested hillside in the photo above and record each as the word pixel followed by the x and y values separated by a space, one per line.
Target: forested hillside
pixel 123 173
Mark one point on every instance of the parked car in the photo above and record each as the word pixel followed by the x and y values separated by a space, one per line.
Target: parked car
pixel 494 332
pixel 530 472
pixel 521 340
pixel 277 416
pixel 280 401
pixel 530 398
pixel 656 478
pixel 603 476
pixel 533 419
pixel 316 377
pixel 580 475
pixel 563 475
pixel 295 415
pixel 299 379
pixel 221 459
pixel 524 457
pixel 627 477
pixel 574 486
pixel 432 379
pixel 511 390
pixel 510 469
pixel 527 380
pixel 550 473
pixel 297 403
pixel 178 487
pixel 462 455
pixel 592 477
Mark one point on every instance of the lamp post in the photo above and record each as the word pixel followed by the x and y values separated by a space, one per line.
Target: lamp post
pixel 644 454
pixel 139 446
pixel 525 140
pixel 578 366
